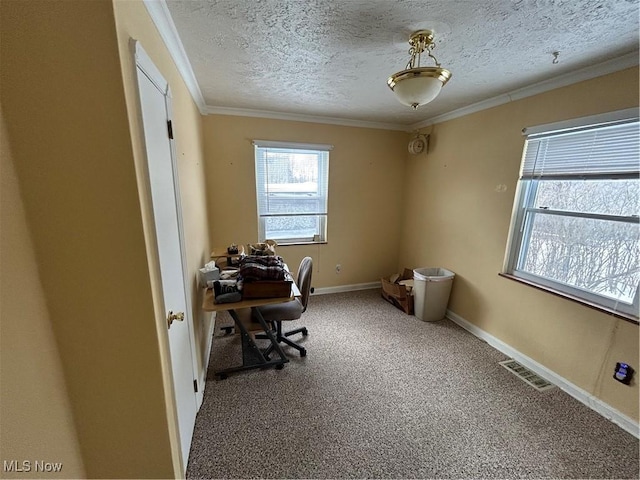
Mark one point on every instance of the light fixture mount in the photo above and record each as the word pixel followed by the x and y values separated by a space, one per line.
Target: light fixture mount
pixel 421 39
pixel 416 85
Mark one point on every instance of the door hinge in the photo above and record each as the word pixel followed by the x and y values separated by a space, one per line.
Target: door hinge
pixel 195 386
pixel 170 129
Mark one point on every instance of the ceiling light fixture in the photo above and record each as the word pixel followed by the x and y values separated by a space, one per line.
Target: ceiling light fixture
pixel 416 85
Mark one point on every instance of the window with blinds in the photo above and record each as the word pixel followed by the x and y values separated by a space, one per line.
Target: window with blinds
pixel 292 191
pixel 575 228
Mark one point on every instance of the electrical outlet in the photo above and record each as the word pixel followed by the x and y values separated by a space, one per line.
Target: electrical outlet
pixel 338 269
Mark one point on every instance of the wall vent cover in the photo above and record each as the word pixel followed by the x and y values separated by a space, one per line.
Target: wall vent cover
pixel 526 375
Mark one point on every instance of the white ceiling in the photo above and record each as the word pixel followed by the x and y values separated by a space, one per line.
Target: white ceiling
pixel 332 58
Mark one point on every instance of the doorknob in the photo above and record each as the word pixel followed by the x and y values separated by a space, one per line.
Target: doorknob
pixel 174 316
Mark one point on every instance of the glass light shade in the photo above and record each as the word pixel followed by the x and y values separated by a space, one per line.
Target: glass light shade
pixel 418 86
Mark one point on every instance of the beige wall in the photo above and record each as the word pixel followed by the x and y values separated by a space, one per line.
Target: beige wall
pixel 457 218
pixel 366 171
pixel 64 106
pixel 82 376
pixel 133 22
pixel 30 367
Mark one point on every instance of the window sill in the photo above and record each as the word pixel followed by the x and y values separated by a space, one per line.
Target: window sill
pixel 624 316
pixel 291 244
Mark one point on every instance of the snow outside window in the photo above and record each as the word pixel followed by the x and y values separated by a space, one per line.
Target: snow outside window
pixel 292 191
pixel 575 227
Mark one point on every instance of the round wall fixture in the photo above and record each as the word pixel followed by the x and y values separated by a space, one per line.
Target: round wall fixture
pixel 418 144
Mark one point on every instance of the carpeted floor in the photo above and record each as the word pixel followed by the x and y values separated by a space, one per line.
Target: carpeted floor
pixel 385 395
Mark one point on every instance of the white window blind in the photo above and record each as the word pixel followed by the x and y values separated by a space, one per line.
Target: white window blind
pixel 292 191
pixel 612 151
pixel 575 226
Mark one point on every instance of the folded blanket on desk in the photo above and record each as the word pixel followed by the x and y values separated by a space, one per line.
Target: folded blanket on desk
pixel 254 268
pixel 266 260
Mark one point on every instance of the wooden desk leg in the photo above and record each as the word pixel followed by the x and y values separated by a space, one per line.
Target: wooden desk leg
pixel 256 353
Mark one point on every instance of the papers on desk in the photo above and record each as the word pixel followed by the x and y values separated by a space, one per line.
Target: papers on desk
pixel 258 277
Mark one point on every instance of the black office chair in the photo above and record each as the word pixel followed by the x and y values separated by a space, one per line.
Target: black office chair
pixel 277 313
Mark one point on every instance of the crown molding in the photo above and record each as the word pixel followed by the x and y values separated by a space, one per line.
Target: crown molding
pixel 161 17
pixel 159 13
pixel 296 117
pixel 610 66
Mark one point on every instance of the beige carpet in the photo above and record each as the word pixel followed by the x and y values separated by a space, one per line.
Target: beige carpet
pixel 384 395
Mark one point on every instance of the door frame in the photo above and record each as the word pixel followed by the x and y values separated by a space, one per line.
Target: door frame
pixel 142 60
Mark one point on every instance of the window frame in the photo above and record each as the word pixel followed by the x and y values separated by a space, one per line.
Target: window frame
pixel 524 212
pixel 323 185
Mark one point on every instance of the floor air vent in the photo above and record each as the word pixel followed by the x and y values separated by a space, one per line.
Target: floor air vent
pixel 527 375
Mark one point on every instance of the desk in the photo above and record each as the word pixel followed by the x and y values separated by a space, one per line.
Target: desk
pixel 252 356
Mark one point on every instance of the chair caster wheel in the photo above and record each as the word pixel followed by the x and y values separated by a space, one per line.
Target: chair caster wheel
pixel 303 353
pixel 305 332
pixel 280 366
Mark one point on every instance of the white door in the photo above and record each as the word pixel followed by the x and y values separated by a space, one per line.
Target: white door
pixel 156 113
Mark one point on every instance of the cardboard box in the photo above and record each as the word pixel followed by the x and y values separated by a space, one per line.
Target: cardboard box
pixel 266 289
pixel 397 294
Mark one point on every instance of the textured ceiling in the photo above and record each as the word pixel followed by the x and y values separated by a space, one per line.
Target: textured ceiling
pixel 332 58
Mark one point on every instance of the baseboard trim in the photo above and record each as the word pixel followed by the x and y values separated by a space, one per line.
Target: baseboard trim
pixel 346 288
pixel 202 375
pixel 594 403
